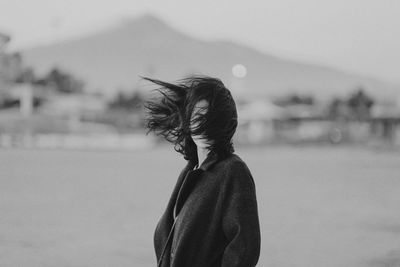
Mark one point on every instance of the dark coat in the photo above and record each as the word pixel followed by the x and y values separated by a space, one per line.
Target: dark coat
pixel 216 223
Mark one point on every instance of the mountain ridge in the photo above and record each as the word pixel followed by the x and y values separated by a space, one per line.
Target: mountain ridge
pixel 114 58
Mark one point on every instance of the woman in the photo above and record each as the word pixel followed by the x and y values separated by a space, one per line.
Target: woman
pixel 211 218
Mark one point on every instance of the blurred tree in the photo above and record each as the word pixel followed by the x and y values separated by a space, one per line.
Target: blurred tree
pixel 11 67
pixel 338 109
pixel 127 101
pixel 27 75
pixel 357 106
pixel 295 99
pixel 62 81
pixel 360 104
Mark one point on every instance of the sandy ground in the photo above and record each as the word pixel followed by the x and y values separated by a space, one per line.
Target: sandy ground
pixel 318 206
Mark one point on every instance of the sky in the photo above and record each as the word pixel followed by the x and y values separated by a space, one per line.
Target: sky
pixel 361 36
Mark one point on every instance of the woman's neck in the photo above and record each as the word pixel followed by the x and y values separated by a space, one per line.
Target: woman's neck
pixel 201 155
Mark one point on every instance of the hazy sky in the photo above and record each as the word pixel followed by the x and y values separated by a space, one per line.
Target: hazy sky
pixel 358 35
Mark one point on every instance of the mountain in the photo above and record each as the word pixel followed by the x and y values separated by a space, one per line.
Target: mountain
pixel 115 57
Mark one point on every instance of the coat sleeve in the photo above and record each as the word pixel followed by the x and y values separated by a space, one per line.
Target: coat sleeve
pixel 240 221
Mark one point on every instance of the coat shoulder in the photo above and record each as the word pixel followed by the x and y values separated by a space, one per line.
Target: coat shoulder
pixel 233 166
pixel 235 162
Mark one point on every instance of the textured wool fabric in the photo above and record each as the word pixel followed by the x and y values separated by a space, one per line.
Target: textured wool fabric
pixel 211 218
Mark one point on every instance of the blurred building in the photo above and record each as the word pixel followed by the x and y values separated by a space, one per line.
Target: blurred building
pixel 256 121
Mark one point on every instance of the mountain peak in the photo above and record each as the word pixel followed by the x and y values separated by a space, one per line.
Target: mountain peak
pixel 147 44
pixel 147 21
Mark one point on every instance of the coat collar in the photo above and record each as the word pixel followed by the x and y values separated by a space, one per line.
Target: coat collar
pixel 190 179
pixel 210 160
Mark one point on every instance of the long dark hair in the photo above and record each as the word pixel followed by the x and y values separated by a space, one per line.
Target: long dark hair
pixel 169 115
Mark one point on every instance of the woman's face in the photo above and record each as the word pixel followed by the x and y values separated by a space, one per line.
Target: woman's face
pixel 199 108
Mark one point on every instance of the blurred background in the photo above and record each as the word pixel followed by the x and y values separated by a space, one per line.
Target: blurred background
pixel 317 87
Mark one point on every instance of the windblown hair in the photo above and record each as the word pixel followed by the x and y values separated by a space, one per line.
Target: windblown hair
pixel 169 115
